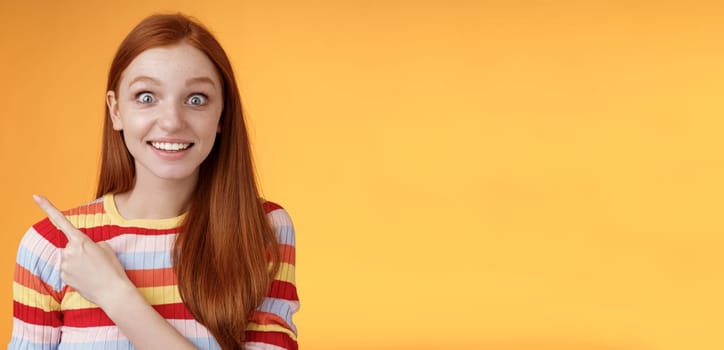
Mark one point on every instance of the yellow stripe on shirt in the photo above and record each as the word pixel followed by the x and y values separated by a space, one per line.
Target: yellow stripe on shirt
pixel 253 326
pixel 31 297
pixel 154 295
pixel 286 273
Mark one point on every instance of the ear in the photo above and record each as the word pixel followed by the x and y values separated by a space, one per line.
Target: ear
pixel 112 104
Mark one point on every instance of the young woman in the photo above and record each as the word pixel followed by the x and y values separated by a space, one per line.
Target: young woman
pixel 179 251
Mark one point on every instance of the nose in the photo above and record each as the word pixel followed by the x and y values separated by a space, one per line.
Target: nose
pixel 171 118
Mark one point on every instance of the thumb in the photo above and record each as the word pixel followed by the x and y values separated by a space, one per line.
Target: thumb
pixel 111 256
pixel 107 249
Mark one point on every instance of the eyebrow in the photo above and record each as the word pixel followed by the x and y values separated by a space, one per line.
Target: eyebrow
pixel 196 80
pixel 144 78
pixel 204 80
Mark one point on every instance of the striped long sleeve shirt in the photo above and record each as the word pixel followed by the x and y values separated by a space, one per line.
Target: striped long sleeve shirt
pixel 47 314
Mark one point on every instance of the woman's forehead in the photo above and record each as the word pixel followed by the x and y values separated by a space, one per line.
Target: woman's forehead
pixel 176 64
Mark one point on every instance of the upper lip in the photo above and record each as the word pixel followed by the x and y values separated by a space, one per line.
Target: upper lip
pixel 169 140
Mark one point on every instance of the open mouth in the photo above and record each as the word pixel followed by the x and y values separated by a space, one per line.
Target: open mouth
pixel 170 146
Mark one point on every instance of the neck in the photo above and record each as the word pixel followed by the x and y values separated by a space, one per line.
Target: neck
pixel 154 198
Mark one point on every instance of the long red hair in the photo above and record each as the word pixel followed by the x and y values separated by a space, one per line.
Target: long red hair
pixel 226 254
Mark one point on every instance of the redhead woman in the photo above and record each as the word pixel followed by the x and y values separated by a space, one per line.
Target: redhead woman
pixel 178 251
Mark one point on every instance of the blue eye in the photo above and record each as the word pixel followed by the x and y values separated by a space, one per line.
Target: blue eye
pixel 145 97
pixel 197 100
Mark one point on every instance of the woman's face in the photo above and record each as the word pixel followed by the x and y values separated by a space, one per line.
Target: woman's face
pixel 168 105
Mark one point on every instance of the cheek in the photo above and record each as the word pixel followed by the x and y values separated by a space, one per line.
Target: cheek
pixel 211 124
pixel 133 127
pixel 208 130
pixel 135 118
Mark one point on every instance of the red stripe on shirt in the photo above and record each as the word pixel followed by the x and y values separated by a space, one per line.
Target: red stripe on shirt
pixel 48 231
pixel 89 209
pixel 283 290
pixel 96 317
pixel 266 318
pixel 287 254
pixel 270 206
pixel 34 315
pixel 101 233
pixel 152 278
pixel 274 338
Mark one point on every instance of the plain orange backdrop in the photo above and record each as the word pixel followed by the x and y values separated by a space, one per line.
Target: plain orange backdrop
pixel 462 174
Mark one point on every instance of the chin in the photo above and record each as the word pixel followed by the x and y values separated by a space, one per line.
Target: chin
pixel 175 176
pixel 174 173
pixel 168 172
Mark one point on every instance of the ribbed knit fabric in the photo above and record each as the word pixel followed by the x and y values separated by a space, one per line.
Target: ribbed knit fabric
pixel 47 314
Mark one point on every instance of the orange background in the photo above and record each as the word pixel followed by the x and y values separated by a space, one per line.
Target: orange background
pixel 462 174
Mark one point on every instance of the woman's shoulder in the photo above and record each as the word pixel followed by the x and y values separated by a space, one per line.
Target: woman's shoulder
pixel 270 206
pixel 280 221
pixel 45 230
pixel 273 208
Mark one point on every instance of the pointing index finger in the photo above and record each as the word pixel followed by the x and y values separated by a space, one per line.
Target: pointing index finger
pixel 57 218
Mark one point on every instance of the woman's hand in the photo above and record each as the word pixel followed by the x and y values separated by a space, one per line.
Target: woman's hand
pixel 90 268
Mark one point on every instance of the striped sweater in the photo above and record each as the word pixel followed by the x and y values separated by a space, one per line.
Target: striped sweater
pixel 47 314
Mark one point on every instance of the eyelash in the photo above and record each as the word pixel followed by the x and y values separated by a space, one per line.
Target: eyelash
pixel 138 97
pixel 203 96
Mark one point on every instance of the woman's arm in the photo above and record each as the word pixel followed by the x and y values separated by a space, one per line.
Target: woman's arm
pixel 271 325
pixel 110 288
pixel 37 291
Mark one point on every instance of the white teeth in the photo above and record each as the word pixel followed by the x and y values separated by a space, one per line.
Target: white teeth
pixel 168 146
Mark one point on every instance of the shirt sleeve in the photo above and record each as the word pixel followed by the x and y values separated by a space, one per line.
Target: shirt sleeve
pixel 37 290
pixel 271 326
